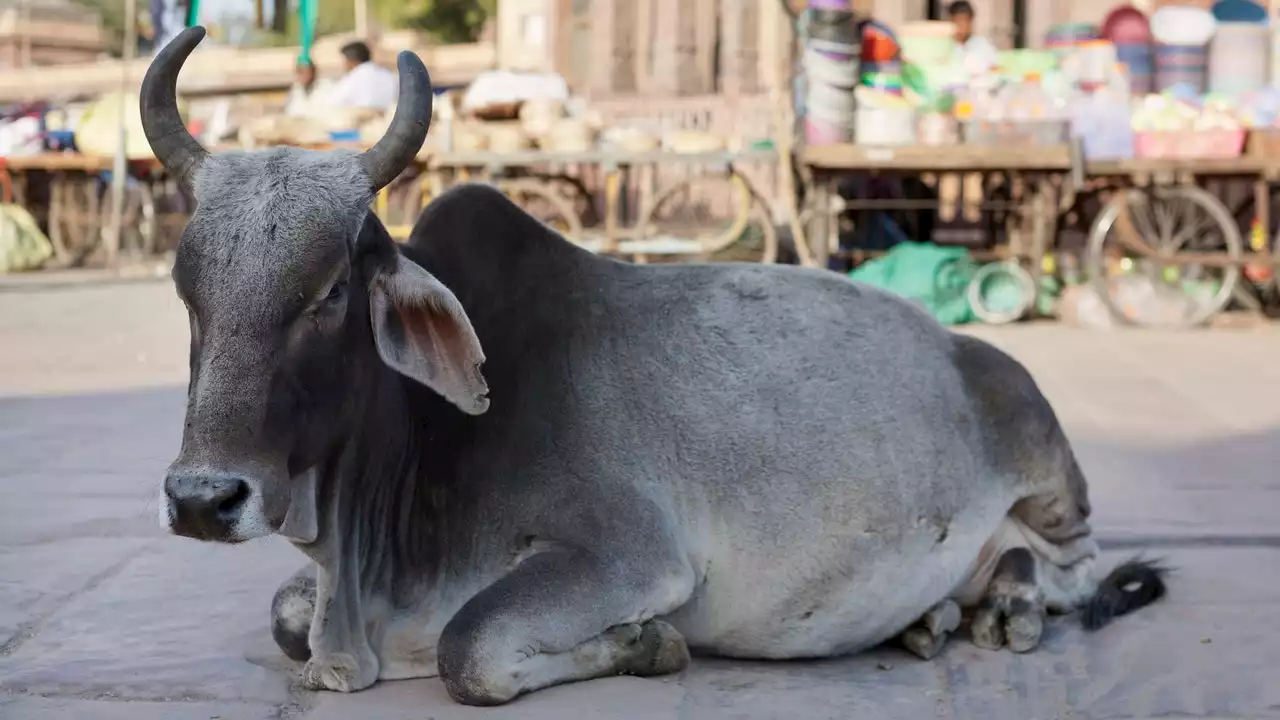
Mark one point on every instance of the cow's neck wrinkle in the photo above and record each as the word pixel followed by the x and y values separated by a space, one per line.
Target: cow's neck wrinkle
pixel 377 509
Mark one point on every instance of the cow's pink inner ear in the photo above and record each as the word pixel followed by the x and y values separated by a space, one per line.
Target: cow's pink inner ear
pixel 422 332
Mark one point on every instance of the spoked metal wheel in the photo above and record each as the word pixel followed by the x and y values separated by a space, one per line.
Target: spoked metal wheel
pixel 541 200
pixel 1164 257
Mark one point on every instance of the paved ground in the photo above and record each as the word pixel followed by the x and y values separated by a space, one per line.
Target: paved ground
pixel 101 617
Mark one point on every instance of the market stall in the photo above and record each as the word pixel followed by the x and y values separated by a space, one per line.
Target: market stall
pixel 643 191
pixel 908 144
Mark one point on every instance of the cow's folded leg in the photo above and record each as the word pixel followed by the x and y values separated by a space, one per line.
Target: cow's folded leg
pixel 563 616
pixel 292 608
pixel 928 635
pixel 341 657
pixel 1012 611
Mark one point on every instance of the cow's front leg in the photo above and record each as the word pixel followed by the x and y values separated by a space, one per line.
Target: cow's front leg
pixel 929 634
pixel 566 615
pixel 341 657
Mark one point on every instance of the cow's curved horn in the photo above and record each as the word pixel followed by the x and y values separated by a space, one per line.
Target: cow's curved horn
pixel 386 160
pixel 180 153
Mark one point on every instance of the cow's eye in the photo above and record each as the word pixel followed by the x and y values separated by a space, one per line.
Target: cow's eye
pixel 336 292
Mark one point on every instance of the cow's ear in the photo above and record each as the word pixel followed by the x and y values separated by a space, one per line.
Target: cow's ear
pixel 422 332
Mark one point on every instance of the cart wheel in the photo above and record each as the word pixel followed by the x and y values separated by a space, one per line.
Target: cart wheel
pixel 1127 270
pixel 540 200
pixel 138 222
pixel 575 192
pixel 757 243
pixel 687 210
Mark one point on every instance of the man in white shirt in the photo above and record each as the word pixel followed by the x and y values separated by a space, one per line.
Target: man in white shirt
pixel 365 84
pixel 976 54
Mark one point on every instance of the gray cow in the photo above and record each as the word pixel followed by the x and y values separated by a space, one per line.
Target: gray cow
pixel 747 461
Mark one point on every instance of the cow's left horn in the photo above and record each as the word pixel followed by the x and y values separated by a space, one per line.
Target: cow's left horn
pixel 180 153
pixel 386 160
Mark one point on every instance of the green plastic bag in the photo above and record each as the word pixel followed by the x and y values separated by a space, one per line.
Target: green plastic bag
pixel 934 276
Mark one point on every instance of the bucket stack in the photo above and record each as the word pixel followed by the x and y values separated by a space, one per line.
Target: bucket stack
pixel 832 52
pixel 1182 35
pixel 1240 52
pixel 1128 29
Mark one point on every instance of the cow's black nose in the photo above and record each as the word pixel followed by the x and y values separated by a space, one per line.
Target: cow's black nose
pixel 205 506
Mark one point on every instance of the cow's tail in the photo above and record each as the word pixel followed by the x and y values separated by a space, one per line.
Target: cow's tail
pixel 1132 585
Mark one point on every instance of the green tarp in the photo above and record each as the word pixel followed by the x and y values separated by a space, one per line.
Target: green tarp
pixel 936 277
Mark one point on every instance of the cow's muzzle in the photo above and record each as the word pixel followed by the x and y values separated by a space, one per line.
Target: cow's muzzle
pixel 207 505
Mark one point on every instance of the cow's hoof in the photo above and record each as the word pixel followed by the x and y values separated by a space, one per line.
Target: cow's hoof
pixel 943 618
pixel 1020 632
pixel 922 643
pixel 928 635
pixel 340 672
pixel 1023 631
pixel 987 630
pixel 654 648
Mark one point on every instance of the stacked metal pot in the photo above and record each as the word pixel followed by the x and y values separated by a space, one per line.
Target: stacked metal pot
pixel 832 50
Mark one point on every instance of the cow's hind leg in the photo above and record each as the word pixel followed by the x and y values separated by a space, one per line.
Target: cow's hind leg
pixel 292 609
pixel 1012 611
pixel 929 634
pixel 562 616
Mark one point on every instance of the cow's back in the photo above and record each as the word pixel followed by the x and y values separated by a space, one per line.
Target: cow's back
pixel 809 442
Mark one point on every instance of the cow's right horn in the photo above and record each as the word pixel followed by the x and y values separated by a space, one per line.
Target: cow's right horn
pixel 386 160
pixel 167 134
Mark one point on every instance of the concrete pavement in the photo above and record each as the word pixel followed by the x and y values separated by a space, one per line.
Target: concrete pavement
pixel 103 617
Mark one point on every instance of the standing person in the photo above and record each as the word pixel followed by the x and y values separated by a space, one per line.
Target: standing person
pixel 308 92
pixel 976 54
pixel 365 84
pixel 977 57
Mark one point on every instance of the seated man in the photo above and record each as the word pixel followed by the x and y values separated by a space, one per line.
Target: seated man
pixel 365 84
pixel 308 92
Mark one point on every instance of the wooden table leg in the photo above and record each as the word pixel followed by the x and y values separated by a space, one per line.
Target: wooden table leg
pixel 824 237
pixel 1044 213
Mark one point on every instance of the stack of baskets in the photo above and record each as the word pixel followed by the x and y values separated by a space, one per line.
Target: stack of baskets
pixel 1127 28
pixel 831 63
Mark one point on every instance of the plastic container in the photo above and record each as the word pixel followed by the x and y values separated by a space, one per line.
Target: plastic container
pixel 1127 25
pixel 821 131
pixel 1182 65
pixel 831 69
pixel 1139 61
pixel 836 26
pixel 830 101
pixel 1239 58
pixel 1103 124
pixel 884 126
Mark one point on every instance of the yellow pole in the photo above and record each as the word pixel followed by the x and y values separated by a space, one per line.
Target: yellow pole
pixel 120 167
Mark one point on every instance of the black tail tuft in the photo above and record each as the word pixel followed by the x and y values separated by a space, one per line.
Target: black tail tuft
pixel 1133 584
